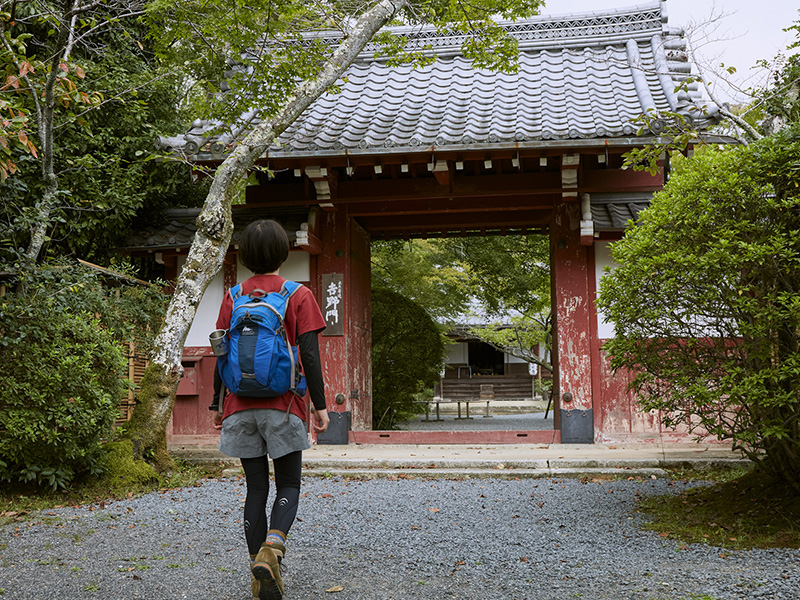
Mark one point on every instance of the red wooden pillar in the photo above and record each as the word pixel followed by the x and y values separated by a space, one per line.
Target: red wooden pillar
pixel 569 270
pixel 343 280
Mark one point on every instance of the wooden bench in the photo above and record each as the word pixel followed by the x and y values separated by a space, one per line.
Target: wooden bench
pixel 459 402
pixel 479 389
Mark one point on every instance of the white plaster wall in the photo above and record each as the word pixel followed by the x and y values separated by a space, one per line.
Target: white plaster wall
pixel 456 354
pixel 297 268
pixel 603 259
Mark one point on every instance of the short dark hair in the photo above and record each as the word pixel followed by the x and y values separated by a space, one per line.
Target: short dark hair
pixel 264 246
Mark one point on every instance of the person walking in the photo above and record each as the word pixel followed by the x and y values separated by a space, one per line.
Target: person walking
pixel 256 429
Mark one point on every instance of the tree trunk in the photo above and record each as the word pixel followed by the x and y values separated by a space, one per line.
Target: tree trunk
pixel 45 115
pixel 156 397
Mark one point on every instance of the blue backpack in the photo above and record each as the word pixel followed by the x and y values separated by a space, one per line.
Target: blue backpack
pixel 260 361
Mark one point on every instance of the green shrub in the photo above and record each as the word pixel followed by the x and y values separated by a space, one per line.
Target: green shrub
pixel 706 300
pixel 58 396
pixel 407 354
pixel 61 374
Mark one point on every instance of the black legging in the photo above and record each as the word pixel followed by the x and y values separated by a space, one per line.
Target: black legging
pixel 288 470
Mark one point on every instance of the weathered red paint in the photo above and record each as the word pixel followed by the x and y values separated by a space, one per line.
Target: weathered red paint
pixel 346 364
pixel 190 415
pixel 617 415
pixel 571 307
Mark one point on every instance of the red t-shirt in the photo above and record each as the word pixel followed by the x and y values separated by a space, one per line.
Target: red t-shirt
pixel 302 316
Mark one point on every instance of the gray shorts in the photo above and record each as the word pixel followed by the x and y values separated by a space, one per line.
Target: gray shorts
pixel 261 431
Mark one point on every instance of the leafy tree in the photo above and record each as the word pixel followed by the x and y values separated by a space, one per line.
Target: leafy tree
pixel 508 277
pixel 82 81
pixel 706 300
pixel 407 354
pixel 424 271
pixel 253 34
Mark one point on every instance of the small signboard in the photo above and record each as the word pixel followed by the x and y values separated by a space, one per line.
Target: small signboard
pixel 333 303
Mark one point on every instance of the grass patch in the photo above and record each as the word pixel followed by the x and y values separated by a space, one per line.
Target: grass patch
pixel 19 502
pixel 750 510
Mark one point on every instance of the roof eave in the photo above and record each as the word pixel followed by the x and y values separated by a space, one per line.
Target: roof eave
pixel 563 144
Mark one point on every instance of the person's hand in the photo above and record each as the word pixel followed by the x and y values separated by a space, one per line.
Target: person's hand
pixel 216 420
pixel 321 419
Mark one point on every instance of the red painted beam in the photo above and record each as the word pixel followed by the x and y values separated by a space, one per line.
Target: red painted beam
pixel 437 222
pixel 452 205
pixel 513 184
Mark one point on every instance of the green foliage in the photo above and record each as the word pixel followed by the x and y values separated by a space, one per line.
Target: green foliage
pixel 425 272
pixel 257 51
pixel 407 354
pixel 509 276
pixel 117 100
pixel 507 273
pixel 59 396
pixel 61 370
pixel 20 99
pixel 706 300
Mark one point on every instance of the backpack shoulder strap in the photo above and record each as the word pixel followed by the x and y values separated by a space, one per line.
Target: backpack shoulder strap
pixel 289 288
pixel 235 291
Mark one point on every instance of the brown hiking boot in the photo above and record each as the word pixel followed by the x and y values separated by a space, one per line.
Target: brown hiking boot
pixel 267 571
pixel 255 585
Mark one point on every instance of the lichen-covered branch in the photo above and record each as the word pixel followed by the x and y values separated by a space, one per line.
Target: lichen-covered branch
pixel 157 394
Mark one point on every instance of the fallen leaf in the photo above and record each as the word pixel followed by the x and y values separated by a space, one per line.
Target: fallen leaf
pixel 433 510
pixel 336 588
pixel 523 559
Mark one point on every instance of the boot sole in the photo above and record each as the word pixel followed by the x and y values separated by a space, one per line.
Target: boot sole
pixel 268 589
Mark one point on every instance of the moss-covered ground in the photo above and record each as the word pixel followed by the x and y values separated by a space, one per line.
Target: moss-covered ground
pixel 748 511
pixel 124 478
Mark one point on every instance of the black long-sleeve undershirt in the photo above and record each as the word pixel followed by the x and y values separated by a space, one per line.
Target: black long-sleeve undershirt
pixel 312 367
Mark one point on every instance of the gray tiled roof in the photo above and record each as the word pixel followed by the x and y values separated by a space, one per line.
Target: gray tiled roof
pixel 581 77
pixel 177 227
pixel 611 212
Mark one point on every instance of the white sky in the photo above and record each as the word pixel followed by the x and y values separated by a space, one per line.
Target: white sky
pixel 737 32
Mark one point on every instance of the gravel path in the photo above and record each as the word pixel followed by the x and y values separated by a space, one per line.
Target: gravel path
pixel 406 539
